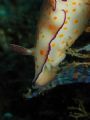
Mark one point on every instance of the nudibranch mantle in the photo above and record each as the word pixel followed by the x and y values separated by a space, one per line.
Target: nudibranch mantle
pixel 58 28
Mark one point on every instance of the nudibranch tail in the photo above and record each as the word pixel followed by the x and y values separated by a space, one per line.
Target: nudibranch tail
pixel 46 76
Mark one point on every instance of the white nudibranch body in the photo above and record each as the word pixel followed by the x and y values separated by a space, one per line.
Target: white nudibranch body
pixel 60 24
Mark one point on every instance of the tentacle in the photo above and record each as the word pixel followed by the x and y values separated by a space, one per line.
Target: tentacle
pixel 22 50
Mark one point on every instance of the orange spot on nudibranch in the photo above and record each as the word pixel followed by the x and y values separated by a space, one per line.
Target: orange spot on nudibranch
pixel 76 31
pixel 55 17
pixel 75 21
pixel 65 28
pixel 66 22
pixel 42 52
pixel 53 44
pixel 50 59
pixel 52 27
pixel 74 3
pixel 74 10
pixel 63 42
pixel 61 35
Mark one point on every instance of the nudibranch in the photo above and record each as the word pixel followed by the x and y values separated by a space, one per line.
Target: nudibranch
pixel 60 24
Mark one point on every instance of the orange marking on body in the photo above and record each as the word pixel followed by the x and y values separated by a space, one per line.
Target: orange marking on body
pixel 50 59
pixel 76 31
pixel 43 52
pixel 52 28
pixel 74 3
pixel 65 28
pixel 76 21
pixel 66 22
pixel 53 44
pixel 61 35
pixel 74 10
pixel 55 17
pixel 63 42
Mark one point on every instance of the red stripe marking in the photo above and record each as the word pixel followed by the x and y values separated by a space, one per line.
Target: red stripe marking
pixel 49 47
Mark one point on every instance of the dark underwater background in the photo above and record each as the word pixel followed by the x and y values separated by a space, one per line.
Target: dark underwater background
pixel 65 98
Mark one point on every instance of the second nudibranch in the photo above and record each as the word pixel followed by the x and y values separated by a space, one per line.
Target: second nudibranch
pixel 60 24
